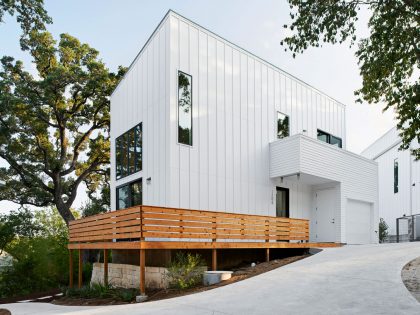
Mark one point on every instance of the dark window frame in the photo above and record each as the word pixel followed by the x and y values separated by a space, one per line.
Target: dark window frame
pixel 191 82
pixel 124 170
pixel 396 177
pixel 277 124
pixel 130 196
pixel 329 136
pixel 287 191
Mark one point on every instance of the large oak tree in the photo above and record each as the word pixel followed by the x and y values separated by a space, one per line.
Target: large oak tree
pixel 389 59
pixel 54 125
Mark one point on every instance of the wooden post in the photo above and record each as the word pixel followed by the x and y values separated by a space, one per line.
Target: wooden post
pixel 267 240
pixel 267 254
pixel 142 271
pixel 80 268
pixel 70 268
pixel 214 259
pixel 105 267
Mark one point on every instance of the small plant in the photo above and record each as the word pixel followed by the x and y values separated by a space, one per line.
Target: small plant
pixel 99 290
pixel 185 271
pixel 383 230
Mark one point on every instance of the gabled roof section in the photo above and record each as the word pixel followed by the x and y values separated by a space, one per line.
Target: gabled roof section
pixel 171 12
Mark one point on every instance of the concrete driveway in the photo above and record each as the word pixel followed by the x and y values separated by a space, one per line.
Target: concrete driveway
pixel 363 279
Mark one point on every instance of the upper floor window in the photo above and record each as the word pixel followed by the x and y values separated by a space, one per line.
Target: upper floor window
pixel 326 137
pixel 129 195
pixel 128 152
pixel 282 125
pixel 395 176
pixel 184 108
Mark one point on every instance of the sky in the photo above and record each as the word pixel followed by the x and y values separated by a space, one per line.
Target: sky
pixel 119 29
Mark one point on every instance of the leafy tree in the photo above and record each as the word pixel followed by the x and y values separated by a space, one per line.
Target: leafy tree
pixel 54 126
pixel 389 58
pixel 29 13
pixel 16 224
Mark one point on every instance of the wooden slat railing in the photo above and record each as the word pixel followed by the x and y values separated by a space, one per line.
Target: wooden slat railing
pixel 157 223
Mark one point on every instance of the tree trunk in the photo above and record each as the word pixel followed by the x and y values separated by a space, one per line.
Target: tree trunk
pixel 65 213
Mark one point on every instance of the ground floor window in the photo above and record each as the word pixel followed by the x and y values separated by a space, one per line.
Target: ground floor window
pixel 282 202
pixel 129 195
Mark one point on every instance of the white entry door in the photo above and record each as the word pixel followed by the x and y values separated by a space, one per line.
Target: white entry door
pixel 324 215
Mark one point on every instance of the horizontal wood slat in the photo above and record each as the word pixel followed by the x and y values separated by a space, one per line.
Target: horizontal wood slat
pixel 136 223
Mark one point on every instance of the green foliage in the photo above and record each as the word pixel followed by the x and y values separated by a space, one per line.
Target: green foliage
pixel 30 14
pixel 383 230
pixel 185 271
pixel 98 290
pixel 40 261
pixel 54 127
pixel 16 224
pixel 389 58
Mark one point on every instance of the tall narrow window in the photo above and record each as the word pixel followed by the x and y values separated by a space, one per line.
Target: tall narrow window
pixel 123 197
pixel 118 157
pixel 282 125
pixel 395 176
pixel 184 108
pixel 128 152
pixel 139 146
pixel 124 155
pixel 131 151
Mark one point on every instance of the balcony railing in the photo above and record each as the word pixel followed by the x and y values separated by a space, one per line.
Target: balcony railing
pixel 147 223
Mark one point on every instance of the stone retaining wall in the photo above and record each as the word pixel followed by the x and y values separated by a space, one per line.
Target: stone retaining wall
pixel 128 276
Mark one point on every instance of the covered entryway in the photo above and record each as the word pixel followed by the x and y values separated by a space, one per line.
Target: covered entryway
pixel 359 222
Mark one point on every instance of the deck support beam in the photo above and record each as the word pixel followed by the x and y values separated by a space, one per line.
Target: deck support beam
pixel 142 271
pixel 267 254
pixel 214 259
pixel 105 267
pixel 80 269
pixel 71 268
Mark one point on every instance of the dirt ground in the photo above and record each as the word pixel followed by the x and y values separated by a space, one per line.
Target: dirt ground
pixel 239 273
pixel 410 275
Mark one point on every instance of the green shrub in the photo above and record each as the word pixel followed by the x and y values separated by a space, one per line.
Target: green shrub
pixel 383 230
pixel 40 261
pixel 185 271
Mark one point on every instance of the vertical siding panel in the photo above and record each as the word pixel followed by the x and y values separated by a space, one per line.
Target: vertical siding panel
pixel 194 193
pixel 220 129
pixel 203 123
pixel 228 88
pixel 237 110
pixel 212 132
pixel 244 132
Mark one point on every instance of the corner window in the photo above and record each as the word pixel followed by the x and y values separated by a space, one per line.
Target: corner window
pixel 128 152
pixel 184 108
pixel 395 176
pixel 282 125
pixel 129 195
pixel 326 137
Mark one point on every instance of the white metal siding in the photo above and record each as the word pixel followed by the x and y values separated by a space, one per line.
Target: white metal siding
pixel 236 97
pixel 357 176
pixel 142 97
pixel 407 201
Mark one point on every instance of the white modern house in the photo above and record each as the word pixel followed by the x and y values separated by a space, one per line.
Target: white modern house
pixel 399 180
pixel 200 123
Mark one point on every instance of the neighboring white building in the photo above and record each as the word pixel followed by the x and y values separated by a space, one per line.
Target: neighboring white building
pixel 200 123
pixel 399 179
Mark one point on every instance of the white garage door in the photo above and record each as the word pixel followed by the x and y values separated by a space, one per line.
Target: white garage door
pixel 359 222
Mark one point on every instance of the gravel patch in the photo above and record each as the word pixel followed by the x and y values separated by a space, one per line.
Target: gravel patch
pixel 410 275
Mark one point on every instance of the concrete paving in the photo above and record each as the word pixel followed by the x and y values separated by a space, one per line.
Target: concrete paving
pixel 363 279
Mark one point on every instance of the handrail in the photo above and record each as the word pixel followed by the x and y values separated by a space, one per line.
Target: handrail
pixel 153 223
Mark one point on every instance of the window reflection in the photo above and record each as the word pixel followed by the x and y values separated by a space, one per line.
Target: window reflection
pixel 282 125
pixel 184 108
pixel 128 152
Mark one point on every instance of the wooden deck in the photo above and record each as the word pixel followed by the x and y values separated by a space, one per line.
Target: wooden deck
pixel 147 228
